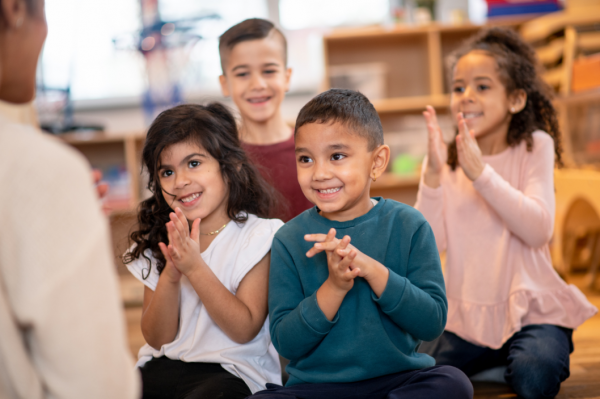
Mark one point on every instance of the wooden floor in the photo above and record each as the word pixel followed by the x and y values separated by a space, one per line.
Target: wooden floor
pixel 584 382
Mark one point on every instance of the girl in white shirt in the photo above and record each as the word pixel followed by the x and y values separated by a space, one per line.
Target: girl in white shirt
pixel 202 251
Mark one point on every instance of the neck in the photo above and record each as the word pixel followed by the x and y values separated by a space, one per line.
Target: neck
pixel 494 142
pixel 359 208
pixel 272 131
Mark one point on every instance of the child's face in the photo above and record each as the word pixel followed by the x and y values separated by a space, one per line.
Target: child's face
pixel 478 92
pixel 256 77
pixel 191 174
pixel 335 169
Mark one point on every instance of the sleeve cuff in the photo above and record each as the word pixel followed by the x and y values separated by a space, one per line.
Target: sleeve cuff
pixel 314 317
pixel 484 178
pixel 392 294
pixel 429 192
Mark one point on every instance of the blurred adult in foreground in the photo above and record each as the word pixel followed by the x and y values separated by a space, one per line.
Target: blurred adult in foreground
pixel 62 332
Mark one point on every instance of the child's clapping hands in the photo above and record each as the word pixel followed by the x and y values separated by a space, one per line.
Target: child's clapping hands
pixel 348 260
pixel 183 250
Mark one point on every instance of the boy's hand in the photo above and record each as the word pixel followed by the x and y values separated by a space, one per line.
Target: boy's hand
pixel 469 154
pixel 184 247
pixel 437 151
pixel 341 276
pixel 368 268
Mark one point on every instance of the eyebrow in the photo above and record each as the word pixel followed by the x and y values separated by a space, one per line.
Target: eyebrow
pixel 476 78
pixel 337 146
pixel 269 64
pixel 184 160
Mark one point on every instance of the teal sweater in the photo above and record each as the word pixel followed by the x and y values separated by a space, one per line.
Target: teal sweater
pixel 369 337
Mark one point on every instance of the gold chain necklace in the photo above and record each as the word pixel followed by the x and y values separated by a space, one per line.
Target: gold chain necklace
pixel 217 231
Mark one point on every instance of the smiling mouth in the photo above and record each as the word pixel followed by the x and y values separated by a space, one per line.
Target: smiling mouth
pixel 330 190
pixel 471 115
pixel 257 100
pixel 190 197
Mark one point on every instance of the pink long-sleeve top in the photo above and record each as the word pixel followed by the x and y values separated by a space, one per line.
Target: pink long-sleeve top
pixel 495 231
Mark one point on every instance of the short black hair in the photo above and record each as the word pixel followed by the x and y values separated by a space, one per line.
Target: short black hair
pixel 249 29
pixel 348 107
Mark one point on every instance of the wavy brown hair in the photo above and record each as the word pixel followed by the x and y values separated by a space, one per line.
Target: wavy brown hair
pixel 518 68
pixel 213 128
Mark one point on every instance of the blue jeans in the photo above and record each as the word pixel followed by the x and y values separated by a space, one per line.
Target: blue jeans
pixel 537 358
pixel 430 383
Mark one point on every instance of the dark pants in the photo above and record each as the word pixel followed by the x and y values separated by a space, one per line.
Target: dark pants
pixel 174 379
pixel 537 358
pixel 434 382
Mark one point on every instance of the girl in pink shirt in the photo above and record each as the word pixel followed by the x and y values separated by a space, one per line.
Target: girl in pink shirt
pixel 489 197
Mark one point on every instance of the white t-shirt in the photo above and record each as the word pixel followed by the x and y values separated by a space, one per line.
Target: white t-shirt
pixel 231 255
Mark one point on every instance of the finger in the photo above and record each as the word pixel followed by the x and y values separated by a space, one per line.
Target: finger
pixel 173 252
pixel 313 251
pixel 174 236
pixel 330 235
pixel 195 234
pixel 102 189
pixel 163 249
pixel 96 175
pixel 326 246
pixel 345 263
pixel 315 237
pixel 181 223
pixel 343 244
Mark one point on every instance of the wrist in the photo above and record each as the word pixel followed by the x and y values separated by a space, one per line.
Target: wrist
pixel 335 289
pixel 431 178
pixel 376 271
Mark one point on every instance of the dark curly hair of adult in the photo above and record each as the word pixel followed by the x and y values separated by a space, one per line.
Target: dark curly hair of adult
pixel 518 68
pixel 213 128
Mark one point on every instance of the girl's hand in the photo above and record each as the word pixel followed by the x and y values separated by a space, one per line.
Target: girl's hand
pixel 184 247
pixel 170 271
pixel 469 154
pixel 437 151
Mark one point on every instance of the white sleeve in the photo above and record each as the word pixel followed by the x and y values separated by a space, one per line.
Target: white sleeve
pixel 61 277
pixel 145 270
pixel 257 243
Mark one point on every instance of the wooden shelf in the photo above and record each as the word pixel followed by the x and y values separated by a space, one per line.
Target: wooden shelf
pixel 411 104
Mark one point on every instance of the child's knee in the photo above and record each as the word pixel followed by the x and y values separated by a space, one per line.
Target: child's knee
pixel 537 377
pixel 453 383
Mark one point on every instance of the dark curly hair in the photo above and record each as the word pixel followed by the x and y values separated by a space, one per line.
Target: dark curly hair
pixel 213 128
pixel 518 68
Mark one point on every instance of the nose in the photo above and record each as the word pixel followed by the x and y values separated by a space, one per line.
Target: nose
pixel 257 82
pixel 321 171
pixel 181 180
pixel 468 95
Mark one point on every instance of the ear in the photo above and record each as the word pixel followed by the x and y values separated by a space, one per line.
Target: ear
pixel 517 101
pixel 224 85
pixel 13 12
pixel 381 158
pixel 288 76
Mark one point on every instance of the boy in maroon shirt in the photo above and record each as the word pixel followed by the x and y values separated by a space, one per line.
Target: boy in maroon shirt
pixel 255 75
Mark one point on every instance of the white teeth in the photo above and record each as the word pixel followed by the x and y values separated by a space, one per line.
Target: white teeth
pixel 258 100
pixel 330 190
pixel 472 115
pixel 190 198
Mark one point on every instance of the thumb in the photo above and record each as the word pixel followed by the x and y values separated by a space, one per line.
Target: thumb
pixel 195 233
pixel 165 252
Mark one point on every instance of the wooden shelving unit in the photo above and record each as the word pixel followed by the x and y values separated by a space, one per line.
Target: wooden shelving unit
pixel 108 150
pixel 416 76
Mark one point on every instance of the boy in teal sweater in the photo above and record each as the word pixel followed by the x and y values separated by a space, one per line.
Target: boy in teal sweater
pixel 355 282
